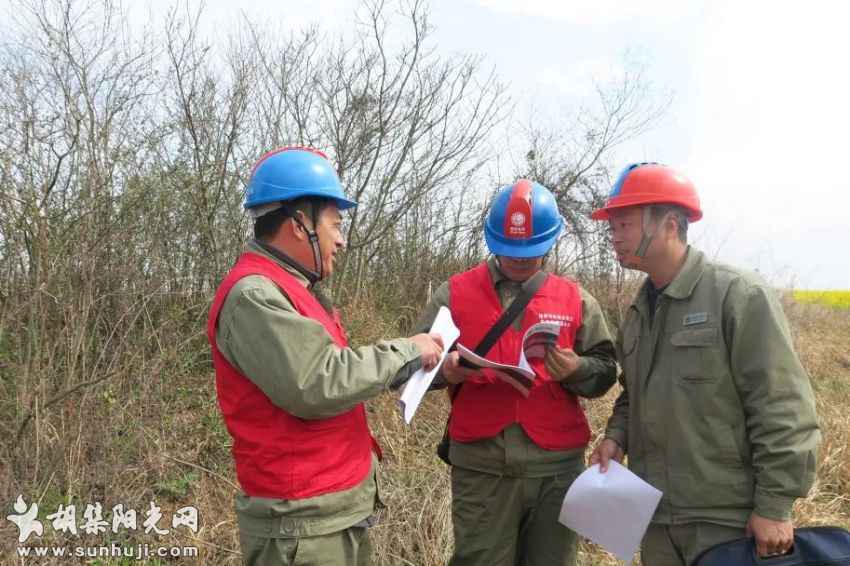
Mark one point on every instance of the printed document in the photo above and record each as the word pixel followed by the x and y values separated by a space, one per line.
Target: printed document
pixel 415 389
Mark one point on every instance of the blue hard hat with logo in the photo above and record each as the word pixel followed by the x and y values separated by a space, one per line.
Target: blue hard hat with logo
pixel 524 221
pixel 293 172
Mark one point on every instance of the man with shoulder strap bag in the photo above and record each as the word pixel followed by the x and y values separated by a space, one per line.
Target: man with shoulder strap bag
pixel 514 457
pixel 527 292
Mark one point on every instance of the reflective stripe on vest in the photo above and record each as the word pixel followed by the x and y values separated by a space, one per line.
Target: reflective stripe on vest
pixel 278 455
pixel 551 416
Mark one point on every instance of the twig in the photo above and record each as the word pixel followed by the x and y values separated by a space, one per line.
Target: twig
pixel 55 400
pixel 203 469
pixel 215 546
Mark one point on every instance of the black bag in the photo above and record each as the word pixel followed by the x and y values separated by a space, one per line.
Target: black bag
pixel 813 546
pixel 527 292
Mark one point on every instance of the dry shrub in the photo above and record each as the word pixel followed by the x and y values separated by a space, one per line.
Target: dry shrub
pixel 156 436
pixel 822 337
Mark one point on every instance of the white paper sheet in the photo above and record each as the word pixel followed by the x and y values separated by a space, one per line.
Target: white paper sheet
pixel 415 389
pixel 611 509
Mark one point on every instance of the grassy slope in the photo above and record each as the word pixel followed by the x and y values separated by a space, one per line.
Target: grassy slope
pixel 160 438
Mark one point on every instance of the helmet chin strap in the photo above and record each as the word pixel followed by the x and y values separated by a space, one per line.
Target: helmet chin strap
pixel 638 258
pixel 313 276
pixel 318 271
pixel 645 238
pixel 287 259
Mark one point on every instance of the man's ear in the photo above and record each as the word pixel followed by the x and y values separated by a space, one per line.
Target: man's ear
pixel 671 226
pixel 299 232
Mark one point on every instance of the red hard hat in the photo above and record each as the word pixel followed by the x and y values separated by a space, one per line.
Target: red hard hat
pixel 641 184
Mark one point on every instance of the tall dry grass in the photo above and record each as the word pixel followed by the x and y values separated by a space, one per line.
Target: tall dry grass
pixel 822 336
pixel 161 439
pixel 155 435
pixel 418 526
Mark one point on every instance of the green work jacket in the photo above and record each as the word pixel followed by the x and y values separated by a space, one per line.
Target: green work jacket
pixel 716 410
pixel 295 362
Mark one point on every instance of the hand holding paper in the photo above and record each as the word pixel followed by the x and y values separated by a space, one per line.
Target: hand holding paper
pixel 611 509
pixel 561 363
pixel 430 349
pixel 417 386
pixel 454 371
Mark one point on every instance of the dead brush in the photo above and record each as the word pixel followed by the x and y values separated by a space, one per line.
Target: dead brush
pixel 153 432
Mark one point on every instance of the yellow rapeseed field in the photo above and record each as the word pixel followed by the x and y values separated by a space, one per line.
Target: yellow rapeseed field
pixel 837 299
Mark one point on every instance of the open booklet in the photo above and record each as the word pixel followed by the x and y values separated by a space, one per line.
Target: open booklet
pixel 537 340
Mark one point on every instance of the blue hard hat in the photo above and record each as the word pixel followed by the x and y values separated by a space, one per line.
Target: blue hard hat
pixel 291 173
pixel 524 221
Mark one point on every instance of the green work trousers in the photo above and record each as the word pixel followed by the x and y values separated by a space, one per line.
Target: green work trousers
pixel 507 521
pixel 679 545
pixel 349 547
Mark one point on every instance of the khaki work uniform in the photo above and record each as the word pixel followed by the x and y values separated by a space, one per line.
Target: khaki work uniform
pixel 716 410
pixel 295 362
pixel 506 490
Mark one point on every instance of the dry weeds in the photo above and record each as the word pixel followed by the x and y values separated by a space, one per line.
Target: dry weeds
pixel 157 437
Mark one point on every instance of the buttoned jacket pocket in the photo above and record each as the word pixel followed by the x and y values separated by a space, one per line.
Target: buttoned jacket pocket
pixel 697 355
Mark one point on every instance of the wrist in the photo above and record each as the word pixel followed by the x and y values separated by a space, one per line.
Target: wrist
pixel 579 370
pixel 773 507
pixel 617 436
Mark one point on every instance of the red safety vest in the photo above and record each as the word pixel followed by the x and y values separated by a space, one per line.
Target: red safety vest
pixel 551 416
pixel 279 455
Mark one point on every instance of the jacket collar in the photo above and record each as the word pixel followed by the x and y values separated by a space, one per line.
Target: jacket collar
pixel 318 290
pixel 686 280
pixel 495 273
pixel 682 286
pixel 253 246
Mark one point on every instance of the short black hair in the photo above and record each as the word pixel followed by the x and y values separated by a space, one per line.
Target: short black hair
pixel 658 211
pixel 267 225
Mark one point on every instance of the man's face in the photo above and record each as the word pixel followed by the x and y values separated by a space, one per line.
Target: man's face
pixel 626 233
pixel 519 269
pixel 331 241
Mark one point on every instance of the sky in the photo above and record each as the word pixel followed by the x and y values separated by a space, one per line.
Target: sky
pixel 759 116
pixel 759 119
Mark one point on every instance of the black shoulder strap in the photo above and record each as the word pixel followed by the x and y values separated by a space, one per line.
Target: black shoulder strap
pixel 527 292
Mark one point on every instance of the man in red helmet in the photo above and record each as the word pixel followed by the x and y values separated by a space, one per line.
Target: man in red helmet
pixel 716 410
pixel 514 457
pixel 290 389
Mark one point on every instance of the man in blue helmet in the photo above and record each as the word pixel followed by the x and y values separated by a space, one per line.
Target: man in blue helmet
pixel 514 457
pixel 290 389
